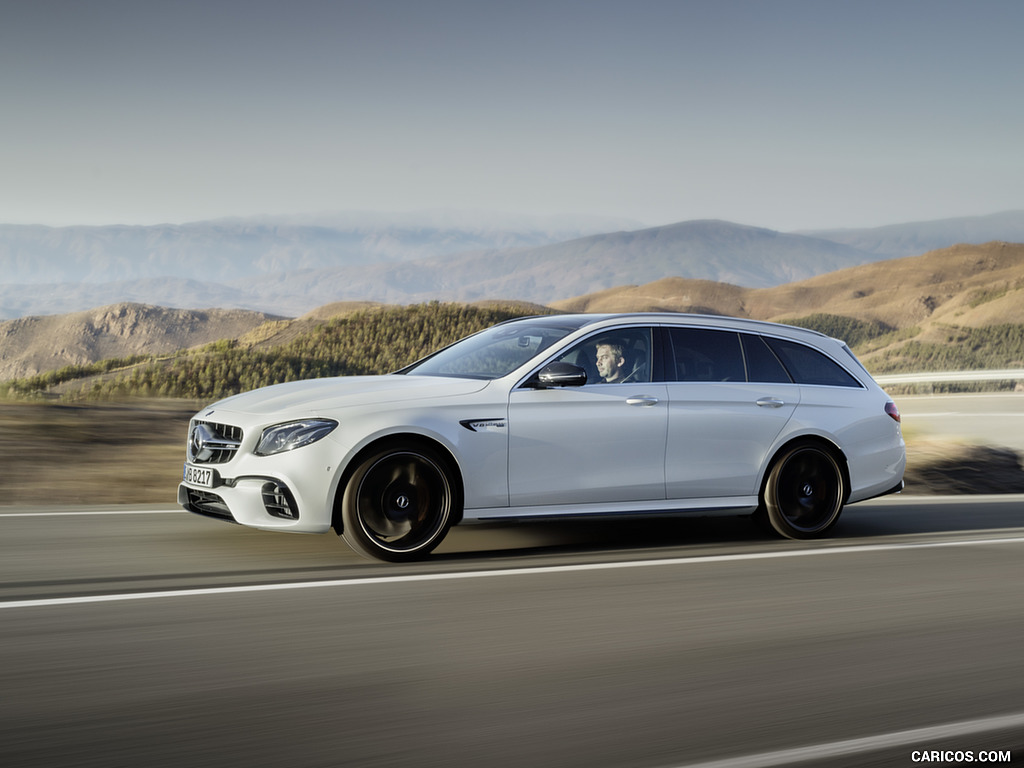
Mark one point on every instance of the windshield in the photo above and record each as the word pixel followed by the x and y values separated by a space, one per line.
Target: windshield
pixel 497 351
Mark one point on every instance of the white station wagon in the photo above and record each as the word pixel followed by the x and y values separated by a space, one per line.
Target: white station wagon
pixel 556 416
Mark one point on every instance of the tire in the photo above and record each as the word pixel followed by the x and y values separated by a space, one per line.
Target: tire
pixel 399 504
pixel 805 492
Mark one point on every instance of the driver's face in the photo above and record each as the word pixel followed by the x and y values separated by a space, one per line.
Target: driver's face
pixel 608 363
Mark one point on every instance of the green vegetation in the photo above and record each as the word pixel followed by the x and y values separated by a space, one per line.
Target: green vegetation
pixel 45 381
pixel 984 295
pixel 886 350
pixel 866 348
pixel 851 330
pixel 962 349
pixel 980 297
pixel 368 342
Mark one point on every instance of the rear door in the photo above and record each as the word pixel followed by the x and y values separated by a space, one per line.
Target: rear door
pixel 729 398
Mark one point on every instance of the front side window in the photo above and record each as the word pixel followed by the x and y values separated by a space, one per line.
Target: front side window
pixel 701 354
pixel 614 357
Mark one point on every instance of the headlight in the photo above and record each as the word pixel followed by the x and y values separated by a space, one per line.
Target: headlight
pixel 294 434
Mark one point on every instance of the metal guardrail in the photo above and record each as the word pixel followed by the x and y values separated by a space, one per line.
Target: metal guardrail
pixel 1010 374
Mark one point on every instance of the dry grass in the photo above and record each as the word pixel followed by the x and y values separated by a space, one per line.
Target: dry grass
pixel 968 285
pixel 97 454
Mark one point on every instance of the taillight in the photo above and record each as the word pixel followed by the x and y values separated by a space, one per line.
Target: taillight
pixel 892 410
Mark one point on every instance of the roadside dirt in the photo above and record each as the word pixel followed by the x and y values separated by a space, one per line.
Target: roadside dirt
pixel 955 468
pixel 132 453
pixel 96 454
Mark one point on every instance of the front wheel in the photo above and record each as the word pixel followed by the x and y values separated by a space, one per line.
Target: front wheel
pixel 398 504
pixel 805 492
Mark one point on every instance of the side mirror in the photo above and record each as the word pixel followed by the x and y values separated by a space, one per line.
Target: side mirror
pixel 562 375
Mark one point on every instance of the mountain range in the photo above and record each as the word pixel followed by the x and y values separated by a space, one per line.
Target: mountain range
pixel 898 240
pixel 912 300
pixel 290 265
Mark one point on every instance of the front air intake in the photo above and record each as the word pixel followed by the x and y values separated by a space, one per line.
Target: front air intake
pixel 278 501
pixel 204 503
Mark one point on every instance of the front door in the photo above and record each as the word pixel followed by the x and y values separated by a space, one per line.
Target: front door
pixel 600 442
pixel 596 443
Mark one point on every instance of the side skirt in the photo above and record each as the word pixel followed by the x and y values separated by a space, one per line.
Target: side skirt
pixel 726 506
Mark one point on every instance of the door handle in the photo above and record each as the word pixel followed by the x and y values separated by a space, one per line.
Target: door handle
pixel 771 402
pixel 642 400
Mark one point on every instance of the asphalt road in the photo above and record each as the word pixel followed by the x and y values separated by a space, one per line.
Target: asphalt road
pixel 154 638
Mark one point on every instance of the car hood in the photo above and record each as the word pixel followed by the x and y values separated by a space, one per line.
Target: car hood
pixel 322 396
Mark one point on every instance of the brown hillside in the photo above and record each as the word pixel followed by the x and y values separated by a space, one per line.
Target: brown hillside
pixel 967 285
pixel 954 286
pixel 31 345
pixel 673 294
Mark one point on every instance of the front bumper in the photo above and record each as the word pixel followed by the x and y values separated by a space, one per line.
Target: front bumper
pixel 292 491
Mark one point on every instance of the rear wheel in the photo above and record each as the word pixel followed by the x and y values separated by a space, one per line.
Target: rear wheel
pixel 805 492
pixel 398 504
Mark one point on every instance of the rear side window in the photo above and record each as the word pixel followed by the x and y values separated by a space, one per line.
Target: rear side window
pixel 809 366
pixel 762 364
pixel 706 355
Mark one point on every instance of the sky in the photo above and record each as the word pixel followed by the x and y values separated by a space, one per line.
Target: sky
pixel 786 115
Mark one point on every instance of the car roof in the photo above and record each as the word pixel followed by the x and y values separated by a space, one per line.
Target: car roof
pixel 583 320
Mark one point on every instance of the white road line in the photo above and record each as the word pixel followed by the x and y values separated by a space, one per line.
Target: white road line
pixel 527 571
pixel 835 749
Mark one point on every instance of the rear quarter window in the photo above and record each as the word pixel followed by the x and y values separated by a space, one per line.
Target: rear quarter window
pixel 762 364
pixel 809 366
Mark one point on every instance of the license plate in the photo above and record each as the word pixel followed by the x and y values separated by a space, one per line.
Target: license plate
pixel 198 476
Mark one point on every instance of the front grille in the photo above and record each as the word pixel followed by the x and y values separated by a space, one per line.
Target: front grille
pixel 212 443
pixel 206 503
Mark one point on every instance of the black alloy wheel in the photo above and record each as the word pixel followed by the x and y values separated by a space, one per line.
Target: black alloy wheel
pixel 399 504
pixel 805 492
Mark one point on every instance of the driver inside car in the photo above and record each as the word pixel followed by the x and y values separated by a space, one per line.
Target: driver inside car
pixel 611 362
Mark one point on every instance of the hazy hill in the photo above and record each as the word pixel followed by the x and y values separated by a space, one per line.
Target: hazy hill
pixel 922 236
pixel 708 250
pixel 32 345
pixel 291 265
pixel 715 250
pixel 697 249
pixel 22 300
pixel 704 250
pixel 226 250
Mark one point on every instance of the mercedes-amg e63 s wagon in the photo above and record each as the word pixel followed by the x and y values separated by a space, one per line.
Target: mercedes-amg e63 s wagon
pixel 557 416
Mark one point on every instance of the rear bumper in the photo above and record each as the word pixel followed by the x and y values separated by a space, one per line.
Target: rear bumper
pixel 895 489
